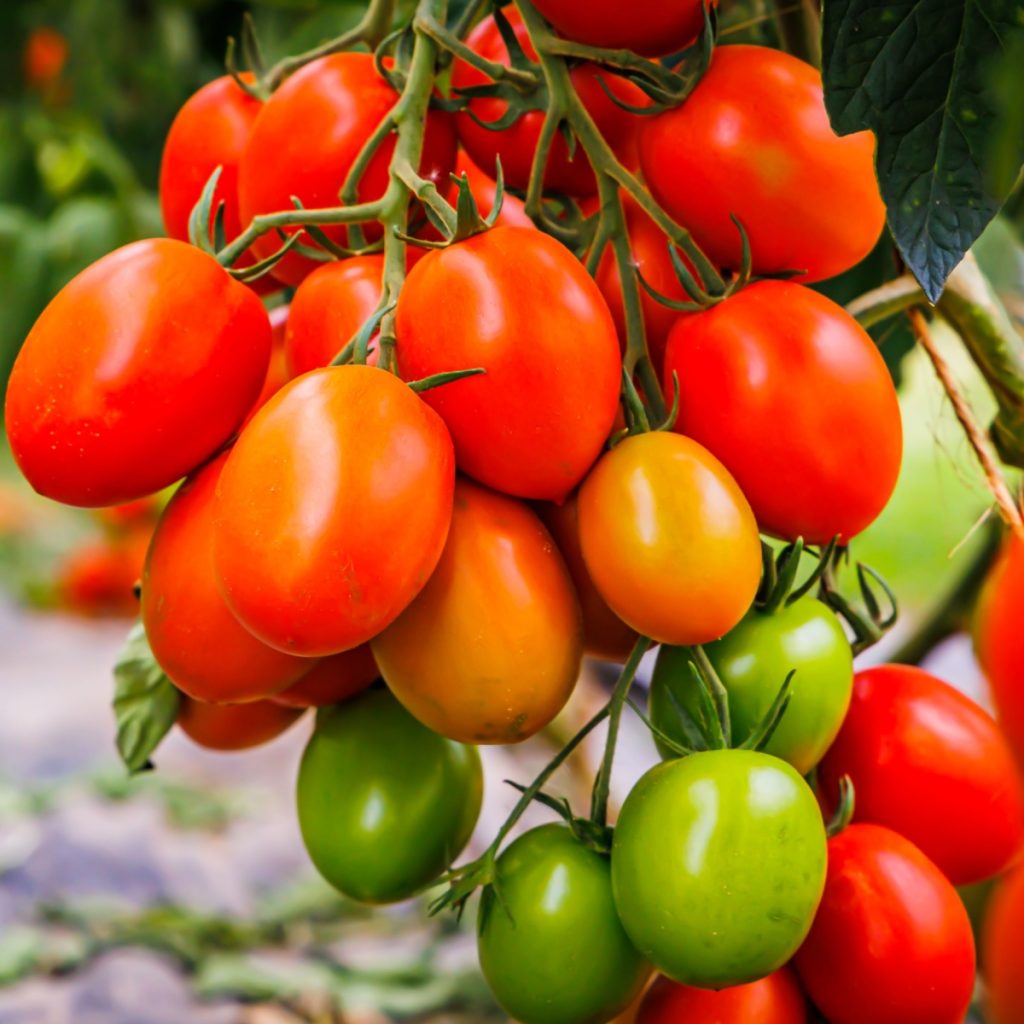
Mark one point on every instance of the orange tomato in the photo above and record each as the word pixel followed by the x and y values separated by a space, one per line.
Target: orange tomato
pixel 669 540
pixel 490 650
pixel 230 727
pixel 332 509
pixel 333 680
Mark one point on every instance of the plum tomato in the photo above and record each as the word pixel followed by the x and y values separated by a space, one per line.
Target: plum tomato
pixel 753 375
pixel 385 805
pixel 550 942
pixel 773 999
pixel 507 300
pixel 332 509
pixel 669 539
pixel 775 164
pixel 332 680
pixel 496 677
pixel 718 864
pixel 752 662
pixel 233 727
pixel 930 764
pixel 1002 952
pixel 169 355
pixel 891 942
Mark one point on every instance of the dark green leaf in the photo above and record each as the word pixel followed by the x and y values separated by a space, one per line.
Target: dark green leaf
pixel 918 73
pixel 145 701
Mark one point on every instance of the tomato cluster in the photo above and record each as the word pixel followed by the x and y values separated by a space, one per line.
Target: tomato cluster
pixel 418 491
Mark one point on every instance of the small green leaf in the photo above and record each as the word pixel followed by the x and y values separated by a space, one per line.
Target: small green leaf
pixel 145 701
pixel 918 72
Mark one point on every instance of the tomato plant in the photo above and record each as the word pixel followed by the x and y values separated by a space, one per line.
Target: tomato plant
pixel 385 804
pixel 891 941
pixel 683 866
pixel 499 677
pixel 316 550
pixel 753 660
pixel 927 762
pixel 773 999
pixel 551 945
pixel 752 374
pixel 668 539
pixel 535 421
pixel 169 355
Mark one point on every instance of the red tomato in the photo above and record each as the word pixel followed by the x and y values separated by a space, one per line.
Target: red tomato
pixel 928 763
pixel 605 635
pixel 775 999
pixel 328 308
pixel 1002 956
pixel 520 305
pixel 230 727
pixel 651 258
pixel 653 28
pixel 209 131
pixel 753 139
pixel 485 189
pixel 332 509
pixel 333 680
pixel 999 642
pixel 169 355
pixel 277 372
pixel 307 137
pixel 517 143
pixel 791 394
pixel 100 578
pixel 201 646
pixel 46 53
pixel 891 942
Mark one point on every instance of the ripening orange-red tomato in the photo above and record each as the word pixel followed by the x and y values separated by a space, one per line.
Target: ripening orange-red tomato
pixel 518 304
pixel 754 140
pixel 309 134
pixel 333 680
pixel 332 509
pixel 137 371
pixel 328 308
pixel 194 637
pixel 231 727
pixel 605 635
pixel 490 649
pixel 669 540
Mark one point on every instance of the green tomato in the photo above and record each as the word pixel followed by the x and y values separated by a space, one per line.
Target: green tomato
pixel 550 942
pixel 385 805
pixel 753 660
pixel 718 865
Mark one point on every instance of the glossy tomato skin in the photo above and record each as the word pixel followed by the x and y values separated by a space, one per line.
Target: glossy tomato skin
pixel 891 942
pixel 718 864
pixel 752 662
pixel 669 540
pixel 169 355
pixel 649 246
pixel 332 680
pixel 774 999
pixel 232 727
pixel 605 635
pixel 1002 952
pixel 533 424
pixel 552 948
pixel 209 131
pixel 309 134
pixel 328 308
pixel 205 651
pixel 485 190
pixel 499 676
pixel 754 373
pixel 929 763
pixel 999 644
pixel 776 164
pixel 332 510
pixel 516 144
pixel 385 805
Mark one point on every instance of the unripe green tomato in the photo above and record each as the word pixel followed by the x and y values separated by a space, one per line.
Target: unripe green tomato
pixel 385 805
pixel 551 945
pixel 753 660
pixel 718 865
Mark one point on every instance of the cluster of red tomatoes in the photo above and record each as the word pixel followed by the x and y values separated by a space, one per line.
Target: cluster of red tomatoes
pixel 469 543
